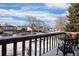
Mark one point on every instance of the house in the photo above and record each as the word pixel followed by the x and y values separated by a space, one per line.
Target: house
pixel 21 28
pixel 0 28
pixel 9 29
pixel 1 32
pixel 24 30
pixel 29 29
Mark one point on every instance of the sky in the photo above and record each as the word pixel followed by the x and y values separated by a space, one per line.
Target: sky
pixel 19 13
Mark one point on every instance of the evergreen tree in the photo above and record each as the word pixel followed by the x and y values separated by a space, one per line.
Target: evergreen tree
pixel 73 18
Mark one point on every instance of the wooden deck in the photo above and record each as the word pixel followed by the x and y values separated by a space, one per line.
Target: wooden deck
pixel 54 51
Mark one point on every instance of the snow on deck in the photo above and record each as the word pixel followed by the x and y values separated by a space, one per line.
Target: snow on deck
pixel 54 51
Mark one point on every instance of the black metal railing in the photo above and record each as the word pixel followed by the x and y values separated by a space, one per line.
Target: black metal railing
pixel 46 41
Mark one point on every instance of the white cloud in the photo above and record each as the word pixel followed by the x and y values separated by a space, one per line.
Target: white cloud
pixel 4 12
pixel 10 20
pixel 57 5
pixel 40 15
pixel 37 14
pixel 10 12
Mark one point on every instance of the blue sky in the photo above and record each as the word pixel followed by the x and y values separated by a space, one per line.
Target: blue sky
pixel 18 13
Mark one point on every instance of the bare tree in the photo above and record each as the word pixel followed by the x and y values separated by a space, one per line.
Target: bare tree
pixel 60 23
pixel 33 22
pixel 36 24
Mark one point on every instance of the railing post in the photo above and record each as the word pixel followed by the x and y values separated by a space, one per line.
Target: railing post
pixel 4 50
pixel 15 49
pixel 47 44
pixel 30 45
pixel 53 41
pixel 50 43
pixel 56 40
pixel 44 45
pixel 23 48
pixel 40 47
pixel 35 46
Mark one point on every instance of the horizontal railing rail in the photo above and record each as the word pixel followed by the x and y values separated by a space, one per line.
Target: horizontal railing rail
pixel 47 42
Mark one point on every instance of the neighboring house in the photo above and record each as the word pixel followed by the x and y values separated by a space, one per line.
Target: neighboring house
pixel 8 29
pixel 0 28
pixel 29 29
pixel 1 32
pixel 24 30
pixel 21 28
